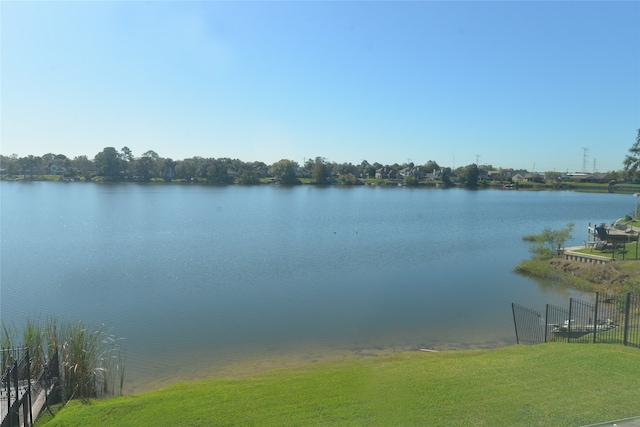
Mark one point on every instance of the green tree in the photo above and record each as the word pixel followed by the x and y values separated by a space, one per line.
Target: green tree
pixel 127 159
pixel 10 163
pixel 12 168
pixel 126 154
pixel 320 171
pixel 217 172
pixel 472 174
pixel 614 175
pixel 248 177
pixel 348 179
pixel 47 160
pixel 431 166
pixel 82 165
pixel 367 170
pixel 632 162
pixel 30 165
pixel 285 171
pixel 108 164
pixel 144 168
pixel 168 169
pixel 445 177
pixel 186 169
pixel 550 241
pixel 411 181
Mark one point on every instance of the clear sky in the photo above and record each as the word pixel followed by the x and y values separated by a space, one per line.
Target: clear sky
pixel 509 83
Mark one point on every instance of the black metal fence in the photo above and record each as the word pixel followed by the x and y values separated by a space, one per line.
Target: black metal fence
pixel 15 397
pixel 608 319
pixel 19 387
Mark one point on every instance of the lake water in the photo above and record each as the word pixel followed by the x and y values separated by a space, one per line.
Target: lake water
pixel 213 281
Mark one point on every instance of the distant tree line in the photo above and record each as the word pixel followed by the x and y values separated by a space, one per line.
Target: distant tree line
pixel 111 164
pixel 121 165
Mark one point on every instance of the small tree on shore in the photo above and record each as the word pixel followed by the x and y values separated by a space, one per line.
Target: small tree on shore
pixel 550 242
pixel 632 161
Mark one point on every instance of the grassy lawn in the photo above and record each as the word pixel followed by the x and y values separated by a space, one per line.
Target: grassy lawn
pixel 629 249
pixel 548 384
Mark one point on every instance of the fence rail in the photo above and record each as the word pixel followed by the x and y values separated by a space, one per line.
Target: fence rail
pixel 608 319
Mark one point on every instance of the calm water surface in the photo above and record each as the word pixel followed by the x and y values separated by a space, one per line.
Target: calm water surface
pixel 204 281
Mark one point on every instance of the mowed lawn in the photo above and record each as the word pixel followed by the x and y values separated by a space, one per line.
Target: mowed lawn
pixel 545 385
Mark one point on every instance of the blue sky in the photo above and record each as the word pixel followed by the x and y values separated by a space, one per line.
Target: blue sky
pixel 512 84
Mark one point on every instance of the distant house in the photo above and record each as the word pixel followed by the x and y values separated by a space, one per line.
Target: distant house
pixel 436 174
pixel 601 178
pixel 575 176
pixel 533 177
pixel 501 174
pixel 260 170
pixel 169 172
pixel 386 173
pixel 410 171
pixel 300 173
pixel 57 170
pixel 518 178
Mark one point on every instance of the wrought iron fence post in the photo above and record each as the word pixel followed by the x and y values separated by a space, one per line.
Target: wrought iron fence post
pixel 546 321
pixel 515 324
pixel 595 317
pixel 14 410
pixel 569 321
pixel 627 309
pixel 29 389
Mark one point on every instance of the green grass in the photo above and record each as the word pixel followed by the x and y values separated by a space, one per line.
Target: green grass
pixel 538 267
pixel 629 251
pixel 548 384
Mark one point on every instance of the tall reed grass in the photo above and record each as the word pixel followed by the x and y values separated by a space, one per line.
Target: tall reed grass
pixel 92 361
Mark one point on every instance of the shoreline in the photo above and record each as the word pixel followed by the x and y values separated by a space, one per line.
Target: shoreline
pixel 621 188
pixel 256 364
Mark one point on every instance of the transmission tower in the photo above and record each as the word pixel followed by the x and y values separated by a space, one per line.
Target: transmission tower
pixel 585 157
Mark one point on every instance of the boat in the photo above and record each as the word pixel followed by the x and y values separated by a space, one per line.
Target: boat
pixel 575 330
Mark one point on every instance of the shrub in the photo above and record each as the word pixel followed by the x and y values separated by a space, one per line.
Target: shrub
pixel 92 362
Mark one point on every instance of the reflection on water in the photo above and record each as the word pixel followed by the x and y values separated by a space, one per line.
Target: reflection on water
pixel 223 281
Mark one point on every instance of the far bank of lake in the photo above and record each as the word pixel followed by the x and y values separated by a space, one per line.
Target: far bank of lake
pixel 203 280
pixel 567 185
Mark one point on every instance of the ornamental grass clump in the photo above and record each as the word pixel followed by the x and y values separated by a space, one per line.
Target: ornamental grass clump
pixel 91 360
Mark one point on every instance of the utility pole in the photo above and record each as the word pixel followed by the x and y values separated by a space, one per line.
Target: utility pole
pixel 477 159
